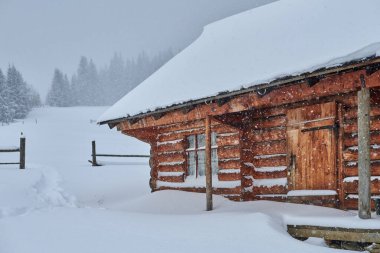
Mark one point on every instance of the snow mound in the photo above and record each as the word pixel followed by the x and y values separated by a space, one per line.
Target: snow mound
pixel 33 188
pixel 288 37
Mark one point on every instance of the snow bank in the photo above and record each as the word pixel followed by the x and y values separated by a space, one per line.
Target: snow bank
pixel 30 189
pixel 287 37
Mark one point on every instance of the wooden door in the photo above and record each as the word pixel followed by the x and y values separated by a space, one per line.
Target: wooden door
pixel 312 147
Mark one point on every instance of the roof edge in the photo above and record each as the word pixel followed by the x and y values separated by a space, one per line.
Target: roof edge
pixel 348 66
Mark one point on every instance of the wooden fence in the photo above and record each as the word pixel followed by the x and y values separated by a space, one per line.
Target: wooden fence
pixel 94 155
pixel 20 149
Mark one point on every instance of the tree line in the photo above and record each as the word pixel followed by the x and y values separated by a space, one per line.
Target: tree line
pixel 91 86
pixel 17 98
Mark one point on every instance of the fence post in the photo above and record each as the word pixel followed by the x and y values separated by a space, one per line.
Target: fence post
pixel 94 163
pixel 22 153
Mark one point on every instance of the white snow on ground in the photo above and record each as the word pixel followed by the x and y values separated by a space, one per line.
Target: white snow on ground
pixel 59 203
pixel 288 37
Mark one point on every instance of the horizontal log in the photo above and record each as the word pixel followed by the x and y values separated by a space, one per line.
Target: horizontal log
pixel 350 141
pixel 170 157
pixel 173 179
pixel 352 171
pixel 270 162
pixel 170 136
pixel 268 112
pixel 352 204
pixel 8 163
pixel 228 140
pixel 180 146
pixel 229 176
pixel 276 121
pixel 231 152
pixel 267 175
pixel 352 127
pixel 269 148
pixel 352 187
pixel 278 189
pixel 172 168
pixel 335 233
pixel 267 135
pixel 352 113
pixel 349 155
pixel 228 163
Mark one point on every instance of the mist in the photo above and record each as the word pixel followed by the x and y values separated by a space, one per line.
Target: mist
pixel 41 35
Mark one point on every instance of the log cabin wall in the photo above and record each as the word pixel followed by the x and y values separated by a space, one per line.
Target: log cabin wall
pixel 169 162
pixel 264 163
pixel 350 152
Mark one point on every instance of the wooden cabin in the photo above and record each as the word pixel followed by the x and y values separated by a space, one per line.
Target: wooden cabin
pixel 292 138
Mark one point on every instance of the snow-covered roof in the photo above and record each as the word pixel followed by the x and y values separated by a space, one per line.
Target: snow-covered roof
pixel 288 37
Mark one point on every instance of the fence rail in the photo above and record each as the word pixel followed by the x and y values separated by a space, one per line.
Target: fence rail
pixel 94 162
pixel 20 149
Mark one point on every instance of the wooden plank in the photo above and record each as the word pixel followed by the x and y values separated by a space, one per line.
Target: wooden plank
pixel 229 163
pixel 270 190
pixel 352 141
pixel 171 157
pixel 229 140
pixel 269 148
pixel 229 152
pixel 351 155
pixel 172 168
pixel 229 176
pixel 335 233
pixel 173 179
pixel 271 122
pixel 12 150
pixel 352 187
pixel 268 112
pixel 270 162
pixel 352 113
pixel 267 135
pixel 268 175
pixel 352 127
pixel 179 146
pixel 352 204
pixel 352 171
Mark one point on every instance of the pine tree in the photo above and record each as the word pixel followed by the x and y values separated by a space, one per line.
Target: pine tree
pixel 59 93
pixel 18 95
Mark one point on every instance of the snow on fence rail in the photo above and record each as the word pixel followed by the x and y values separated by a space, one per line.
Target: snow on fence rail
pixel 20 149
pixel 94 155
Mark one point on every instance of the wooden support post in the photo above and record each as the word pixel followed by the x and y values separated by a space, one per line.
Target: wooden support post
pixel 22 153
pixel 94 163
pixel 341 193
pixel 364 152
pixel 209 205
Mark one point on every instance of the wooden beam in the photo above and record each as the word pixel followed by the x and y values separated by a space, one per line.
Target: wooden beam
pixel 209 205
pixel 364 161
pixel 22 153
pixel 340 156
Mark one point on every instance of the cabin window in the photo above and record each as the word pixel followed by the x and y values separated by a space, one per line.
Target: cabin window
pixel 196 155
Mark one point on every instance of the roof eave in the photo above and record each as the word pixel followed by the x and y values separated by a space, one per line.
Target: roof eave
pixel 357 64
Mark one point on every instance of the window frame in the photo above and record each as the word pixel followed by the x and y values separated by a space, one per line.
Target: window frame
pixel 196 149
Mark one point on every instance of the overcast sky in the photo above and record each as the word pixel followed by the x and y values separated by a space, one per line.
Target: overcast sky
pixel 40 35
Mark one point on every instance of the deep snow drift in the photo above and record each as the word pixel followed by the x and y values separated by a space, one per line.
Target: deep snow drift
pixel 62 204
pixel 288 37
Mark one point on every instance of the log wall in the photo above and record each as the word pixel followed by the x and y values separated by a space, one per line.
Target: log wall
pixel 350 153
pixel 169 162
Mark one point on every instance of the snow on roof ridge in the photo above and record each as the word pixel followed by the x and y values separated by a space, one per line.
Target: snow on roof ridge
pixel 288 37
